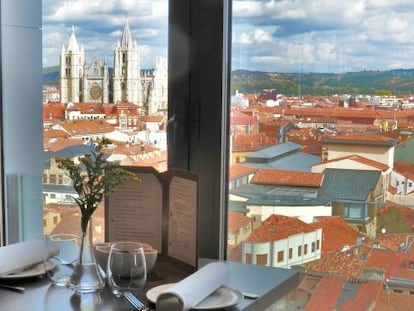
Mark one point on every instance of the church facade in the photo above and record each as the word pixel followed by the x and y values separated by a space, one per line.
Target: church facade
pixel 93 83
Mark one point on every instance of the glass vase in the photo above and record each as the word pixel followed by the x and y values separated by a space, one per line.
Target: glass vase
pixel 87 276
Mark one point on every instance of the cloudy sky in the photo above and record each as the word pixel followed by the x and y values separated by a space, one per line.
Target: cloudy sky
pixel 99 24
pixel 268 35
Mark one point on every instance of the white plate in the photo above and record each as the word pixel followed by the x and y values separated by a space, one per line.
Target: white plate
pixel 35 270
pixel 223 297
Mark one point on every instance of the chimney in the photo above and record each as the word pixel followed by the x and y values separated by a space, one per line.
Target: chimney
pixel 325 153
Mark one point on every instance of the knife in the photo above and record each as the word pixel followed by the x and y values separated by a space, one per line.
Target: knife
pixel 13 287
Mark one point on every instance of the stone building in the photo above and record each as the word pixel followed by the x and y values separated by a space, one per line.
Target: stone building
pixel 93 83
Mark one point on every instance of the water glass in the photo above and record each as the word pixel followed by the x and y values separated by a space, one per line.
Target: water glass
pixel 68 246
pixel 62 263
pixel 126 268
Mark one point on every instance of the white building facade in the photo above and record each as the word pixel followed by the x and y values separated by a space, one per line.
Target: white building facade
pixel 93 84
pixel 294 250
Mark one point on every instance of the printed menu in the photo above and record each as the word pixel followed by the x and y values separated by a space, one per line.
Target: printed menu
pixel 160 210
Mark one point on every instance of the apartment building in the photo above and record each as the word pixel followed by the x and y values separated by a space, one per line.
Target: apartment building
pixel 283 242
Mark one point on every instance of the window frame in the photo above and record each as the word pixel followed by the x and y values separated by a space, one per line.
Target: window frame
pixel 199 93
pixel 21 52
pixel 198 109
pixel 2 202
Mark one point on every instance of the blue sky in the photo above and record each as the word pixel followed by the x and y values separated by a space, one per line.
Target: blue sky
pixel 99 25
pixel 268 35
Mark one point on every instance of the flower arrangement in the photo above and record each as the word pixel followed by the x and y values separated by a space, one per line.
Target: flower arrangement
pixel 93 179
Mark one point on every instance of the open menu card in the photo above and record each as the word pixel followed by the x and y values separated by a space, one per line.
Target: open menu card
pixel 161 210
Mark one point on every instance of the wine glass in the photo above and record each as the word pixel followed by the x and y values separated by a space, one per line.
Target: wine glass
pixel 63 262
pixel 126 267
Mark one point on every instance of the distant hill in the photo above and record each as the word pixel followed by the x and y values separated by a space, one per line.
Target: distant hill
pixel 400 81
pixel 50 75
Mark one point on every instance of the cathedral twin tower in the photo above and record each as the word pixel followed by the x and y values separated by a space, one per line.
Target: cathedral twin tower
pixel 93 84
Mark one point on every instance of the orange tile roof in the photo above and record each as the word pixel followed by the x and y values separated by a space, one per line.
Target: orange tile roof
pixel 359 159
pixel 153 118
pixel 393 241
pixel 336 232
pixel 309 145
pixel 339 112
pixel 237 221
pixel 53 111
pixel 365 298
pixel 271 125
pixel 128 149
pixel 360 138
pixel 328 295
pixel 341 264
pixel 159 162
pixel 86 107
pixel 61 143
pixel 384 259
pixel 86 127
pixel 240 118
pixel 126 105
pixel 252 142
pixel 401 266
pixel 287 178
pixel 277 227
pixel 325 295
pixel 405 169
pixel 302 132
pixel 353 262
pixel 239 170
pixel 391 301
pixel 48 134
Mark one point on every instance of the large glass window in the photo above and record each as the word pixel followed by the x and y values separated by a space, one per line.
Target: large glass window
pixel 196 115
pixel 303 72
pixel 120 61
pixel 354 211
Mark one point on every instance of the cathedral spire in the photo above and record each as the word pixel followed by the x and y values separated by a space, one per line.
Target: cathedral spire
pixel 73 42
pixel 126 39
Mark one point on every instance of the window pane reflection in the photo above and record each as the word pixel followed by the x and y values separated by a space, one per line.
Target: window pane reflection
pixel 106 74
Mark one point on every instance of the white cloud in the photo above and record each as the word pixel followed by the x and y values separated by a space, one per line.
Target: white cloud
pixel 268 35
pixel 267 59
pixel 99 24
pixel 256 36
pixel 323 35
pixel 247 9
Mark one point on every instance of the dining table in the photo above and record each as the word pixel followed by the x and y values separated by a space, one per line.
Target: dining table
pixel 261 287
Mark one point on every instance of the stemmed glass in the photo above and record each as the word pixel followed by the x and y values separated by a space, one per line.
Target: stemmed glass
pixel 126 267
pixel 62 263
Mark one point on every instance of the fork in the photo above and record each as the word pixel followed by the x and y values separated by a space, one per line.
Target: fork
pixel 135 301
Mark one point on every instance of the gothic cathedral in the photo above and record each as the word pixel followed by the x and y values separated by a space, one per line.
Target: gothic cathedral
pixel 80 83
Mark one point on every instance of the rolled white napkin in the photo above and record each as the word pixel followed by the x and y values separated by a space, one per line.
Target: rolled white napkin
pixel 17 256
pixel 187 293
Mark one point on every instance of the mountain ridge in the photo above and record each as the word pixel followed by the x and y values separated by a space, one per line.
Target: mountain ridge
pixel 396 82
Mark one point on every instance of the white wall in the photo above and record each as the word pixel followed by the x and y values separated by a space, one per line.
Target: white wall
pixel 272 248
pixel 21 44
pixel 380 154
pixel 342 164
pixel 304 213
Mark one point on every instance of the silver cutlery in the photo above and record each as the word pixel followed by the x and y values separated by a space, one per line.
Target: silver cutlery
pixel 13 287
pixel 250 295
pixel 133 300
